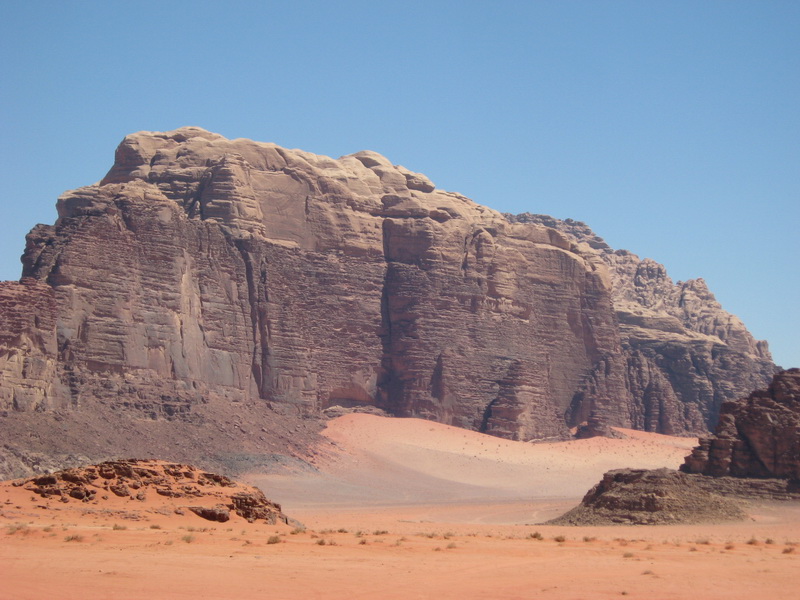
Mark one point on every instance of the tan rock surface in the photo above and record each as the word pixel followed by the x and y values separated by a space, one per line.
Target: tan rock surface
pixel 211 292
pixel 683 354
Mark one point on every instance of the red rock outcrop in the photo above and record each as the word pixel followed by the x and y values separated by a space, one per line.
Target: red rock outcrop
pixel 757 437
pixel 205 278
pixel 137 479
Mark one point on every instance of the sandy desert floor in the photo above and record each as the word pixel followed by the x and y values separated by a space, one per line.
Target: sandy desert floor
pixel 403 509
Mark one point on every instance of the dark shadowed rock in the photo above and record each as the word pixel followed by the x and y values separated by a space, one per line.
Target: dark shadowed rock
pixel 650 497
pixel 220 514
pixel 754 454
pixel 757 436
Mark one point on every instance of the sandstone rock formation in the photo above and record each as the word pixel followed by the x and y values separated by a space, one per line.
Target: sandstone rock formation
pixel 754 454
pixel 682 354
pixel 650 497
pixel 136 479
pixel 211 292
pixel 757 436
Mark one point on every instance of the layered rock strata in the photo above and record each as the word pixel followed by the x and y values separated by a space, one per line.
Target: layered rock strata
pixel 651 497
pixel 683 355
pixel 142 479
pixel 219 283
pixel 757 436
pixel 754 454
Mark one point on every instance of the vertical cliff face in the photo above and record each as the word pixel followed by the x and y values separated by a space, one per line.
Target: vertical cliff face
pixel 204 271
pixel 205 277
pixel 683 355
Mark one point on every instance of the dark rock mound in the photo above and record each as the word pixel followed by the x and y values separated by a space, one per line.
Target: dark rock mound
pixel 658 497
pixel 757 436
pixel 754 454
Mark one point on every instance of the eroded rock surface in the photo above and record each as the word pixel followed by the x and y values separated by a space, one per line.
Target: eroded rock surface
pixel 757 436
pixel 138 479
pixel 651 497
pixel 683 355
pixel 212 293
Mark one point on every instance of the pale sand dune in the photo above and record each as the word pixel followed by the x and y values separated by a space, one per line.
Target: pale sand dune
pixel 377 460
pixel 406 509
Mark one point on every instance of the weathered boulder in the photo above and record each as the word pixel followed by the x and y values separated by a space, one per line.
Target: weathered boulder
pixel 757 436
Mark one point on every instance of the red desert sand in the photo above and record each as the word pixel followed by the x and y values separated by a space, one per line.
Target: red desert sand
pixel 402 508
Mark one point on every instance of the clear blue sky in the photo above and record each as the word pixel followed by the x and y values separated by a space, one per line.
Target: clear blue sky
pixel 671 128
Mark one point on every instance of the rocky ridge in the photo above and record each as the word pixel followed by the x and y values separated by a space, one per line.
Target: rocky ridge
pixel 210 293
pixel 209 495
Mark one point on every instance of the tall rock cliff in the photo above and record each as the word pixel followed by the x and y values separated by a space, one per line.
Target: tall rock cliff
pixel 682 354
pixel 205 277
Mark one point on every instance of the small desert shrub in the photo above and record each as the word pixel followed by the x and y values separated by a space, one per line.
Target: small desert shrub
pixel 788 550
pixel 119 527
pixel 73 538
pixel 729 546
pixel 362 542
pixel 189 538
pixel 321 542
pixel 752 541
pixel 297 530
pixel 769 541
pixel 586 538
pixel 341 530
pixel 380 532
pixel 536 536
pixel 17 528
pixel 559 538
pixel 451 546
pixel 628 555
pixel 274 539
pixel 155 526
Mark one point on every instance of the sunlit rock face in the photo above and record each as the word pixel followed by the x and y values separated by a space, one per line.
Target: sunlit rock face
pixel 682 354
pixel 205 276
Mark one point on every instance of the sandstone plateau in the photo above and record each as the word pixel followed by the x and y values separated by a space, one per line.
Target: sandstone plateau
pixel 209 298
